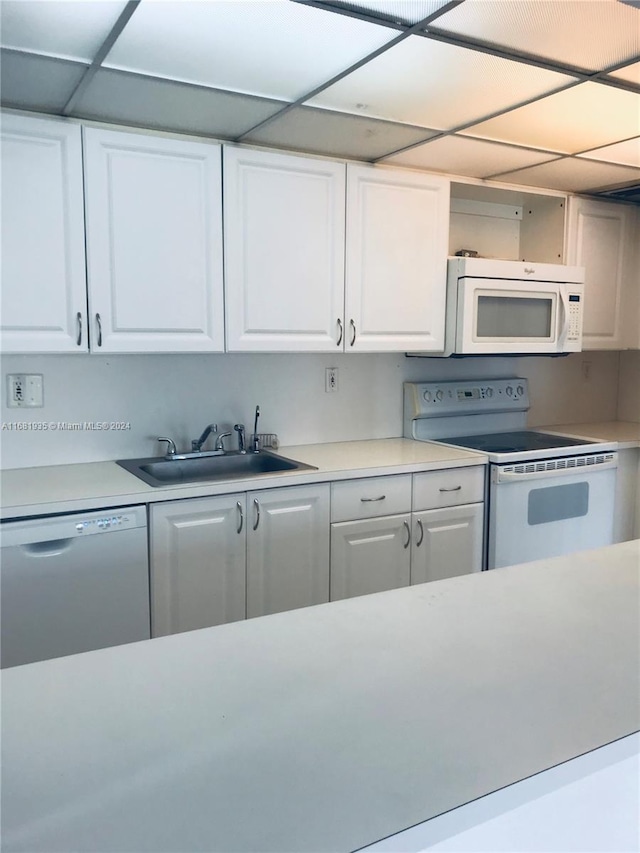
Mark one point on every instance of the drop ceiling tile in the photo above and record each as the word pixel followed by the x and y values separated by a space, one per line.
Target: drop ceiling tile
pixel 163 104
pixel 424 82
pixel 33 82
pixel 630 74
pixel 336 134
pixel 459 155
pixel 589 35
pixel 573 174
pixel 401 11
pixel 626 153
pixel 61 28
pixel 586 116
pixel 276 49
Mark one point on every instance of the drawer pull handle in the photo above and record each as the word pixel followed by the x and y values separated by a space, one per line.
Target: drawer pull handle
pixel 353 334
pixel 419 542
pixel 408 529
pixel 99 325
pixel 341 332
pixel 79 327
pixel 454 489
pixel 240 517
pixel 372 500
pixel 257 509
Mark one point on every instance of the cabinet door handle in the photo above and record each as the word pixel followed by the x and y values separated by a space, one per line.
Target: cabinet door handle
pixel 454 489
pixel 372 500
pixel 353 334
pixel 256 506
pixel 79 327
pixel 408 529
pixel 421 528
pixel 240 517
pixel 341 332
pixel 99 325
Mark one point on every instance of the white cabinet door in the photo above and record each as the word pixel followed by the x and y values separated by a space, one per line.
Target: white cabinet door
pixel 287 548
pixel 197 556
pixel 284 251
pixel 154 243
pixel 446 542
pixel 44 299
pixel 396 265
pixel 599 239
pixel 370 555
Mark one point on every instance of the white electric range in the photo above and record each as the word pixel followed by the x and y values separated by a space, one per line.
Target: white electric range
pixel 548 494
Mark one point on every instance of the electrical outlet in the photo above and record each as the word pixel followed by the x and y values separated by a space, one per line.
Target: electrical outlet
pixel 331 379
pixel 25 390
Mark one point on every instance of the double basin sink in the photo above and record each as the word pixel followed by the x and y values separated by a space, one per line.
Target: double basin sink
pixel 209 468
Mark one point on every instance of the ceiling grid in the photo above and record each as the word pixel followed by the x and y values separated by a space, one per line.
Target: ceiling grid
pixel 539 93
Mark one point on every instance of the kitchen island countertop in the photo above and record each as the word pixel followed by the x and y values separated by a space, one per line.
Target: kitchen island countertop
pixel 325 728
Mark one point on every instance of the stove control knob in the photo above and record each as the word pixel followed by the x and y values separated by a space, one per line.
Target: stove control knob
pixel 519 391
pixel 439 396
pixel 489 392
pixel 509 391
pixel 428 396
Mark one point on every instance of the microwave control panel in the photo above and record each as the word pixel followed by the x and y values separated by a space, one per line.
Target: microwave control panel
pixel 575 317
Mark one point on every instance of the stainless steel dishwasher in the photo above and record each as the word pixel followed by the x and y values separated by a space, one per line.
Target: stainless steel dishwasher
pixel 73 583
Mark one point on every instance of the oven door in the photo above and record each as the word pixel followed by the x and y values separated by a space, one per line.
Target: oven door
pixel 499 316
pixel 540 510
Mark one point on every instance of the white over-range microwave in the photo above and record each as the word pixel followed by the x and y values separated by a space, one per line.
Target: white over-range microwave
pixel 510 307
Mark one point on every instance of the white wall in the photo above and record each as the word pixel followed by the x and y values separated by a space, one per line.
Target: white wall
pixel 177 395
pixel 629 389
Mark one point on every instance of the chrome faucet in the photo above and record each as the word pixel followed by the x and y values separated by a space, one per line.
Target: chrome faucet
pixel 196 444
pixel 219 444
pixel 239 428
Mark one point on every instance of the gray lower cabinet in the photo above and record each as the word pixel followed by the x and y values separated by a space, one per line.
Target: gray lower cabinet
pixel 388 532
pixel 446 542
pixel 287 549
pixel 198 559
pixel 370 555
pixel 220 559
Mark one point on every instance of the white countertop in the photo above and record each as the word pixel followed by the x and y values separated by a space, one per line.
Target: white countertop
pixel 326 728
pixel 92 485
pixel 626 433
pixel 591 803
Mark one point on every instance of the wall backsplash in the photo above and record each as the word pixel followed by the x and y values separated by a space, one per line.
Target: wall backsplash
pixel 629 389
pixel 177 395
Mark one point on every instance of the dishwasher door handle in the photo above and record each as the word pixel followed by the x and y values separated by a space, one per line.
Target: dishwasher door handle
pixel 47 549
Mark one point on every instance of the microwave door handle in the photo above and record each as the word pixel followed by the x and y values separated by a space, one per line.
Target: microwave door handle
pixel 564 302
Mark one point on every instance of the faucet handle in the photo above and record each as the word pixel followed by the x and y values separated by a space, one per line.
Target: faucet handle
pixel 171 446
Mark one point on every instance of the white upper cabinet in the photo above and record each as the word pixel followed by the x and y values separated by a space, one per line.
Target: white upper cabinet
pixel 154 243
pixel 284 223
pixel 44 304
pixel 396 264
pixel 600 239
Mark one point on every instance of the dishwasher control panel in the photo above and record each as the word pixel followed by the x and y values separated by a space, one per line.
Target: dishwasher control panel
pixel 49 528
pixel 106 522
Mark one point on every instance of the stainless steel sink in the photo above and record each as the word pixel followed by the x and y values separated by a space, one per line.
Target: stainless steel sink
pixel 230 466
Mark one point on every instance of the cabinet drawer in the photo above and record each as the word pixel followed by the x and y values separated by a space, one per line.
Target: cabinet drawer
pixel 370 497
pixel 449 487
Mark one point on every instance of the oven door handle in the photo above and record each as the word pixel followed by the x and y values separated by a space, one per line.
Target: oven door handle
pixel 508 475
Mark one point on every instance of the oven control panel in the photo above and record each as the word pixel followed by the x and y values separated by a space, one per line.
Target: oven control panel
pixel 437 399
pixel 436 409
